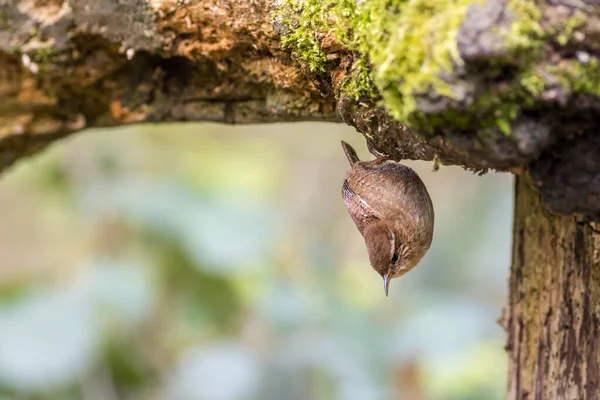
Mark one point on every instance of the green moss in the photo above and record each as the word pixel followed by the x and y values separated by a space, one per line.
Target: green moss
pixel 403 66
pixel 389 36
pixel 420 66
pixel 565 33
pixel 305 22
pixel 406 46
pixel 359 83
pixel 525 32
pixel 578 77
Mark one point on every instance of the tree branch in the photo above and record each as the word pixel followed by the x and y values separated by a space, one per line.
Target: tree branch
pixel 500 85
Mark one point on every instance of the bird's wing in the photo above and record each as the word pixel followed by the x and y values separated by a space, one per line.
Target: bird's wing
pixel 361 212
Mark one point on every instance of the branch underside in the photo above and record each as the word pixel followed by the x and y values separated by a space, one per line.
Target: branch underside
pixel 65 67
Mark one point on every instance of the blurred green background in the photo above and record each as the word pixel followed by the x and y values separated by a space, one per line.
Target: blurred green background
pixel 207 262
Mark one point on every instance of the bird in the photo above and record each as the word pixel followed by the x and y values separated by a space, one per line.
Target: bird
pixel 392 210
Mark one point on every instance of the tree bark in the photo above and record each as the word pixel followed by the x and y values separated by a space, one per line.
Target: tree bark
pixel 70 65
pixel 553 312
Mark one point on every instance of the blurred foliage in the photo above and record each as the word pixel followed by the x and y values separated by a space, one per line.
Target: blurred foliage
pixel 205 262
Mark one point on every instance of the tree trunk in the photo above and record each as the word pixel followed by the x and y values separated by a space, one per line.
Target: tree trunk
pixel 554 303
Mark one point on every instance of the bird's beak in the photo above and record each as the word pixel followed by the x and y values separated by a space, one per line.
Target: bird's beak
pixel 386 284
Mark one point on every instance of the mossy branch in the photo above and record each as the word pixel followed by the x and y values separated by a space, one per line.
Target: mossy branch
pixel 478 83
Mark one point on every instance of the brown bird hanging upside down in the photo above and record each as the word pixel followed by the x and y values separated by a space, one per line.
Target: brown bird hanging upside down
pixel 392 209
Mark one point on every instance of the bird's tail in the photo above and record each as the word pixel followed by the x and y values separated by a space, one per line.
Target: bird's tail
pixel 350 153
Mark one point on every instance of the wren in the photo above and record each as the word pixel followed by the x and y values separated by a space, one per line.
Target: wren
pixel 392 210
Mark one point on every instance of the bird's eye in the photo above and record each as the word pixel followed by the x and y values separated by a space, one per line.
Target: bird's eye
pixel 395 257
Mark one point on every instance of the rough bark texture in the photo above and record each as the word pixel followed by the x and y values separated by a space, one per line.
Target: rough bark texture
pixel 554 303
